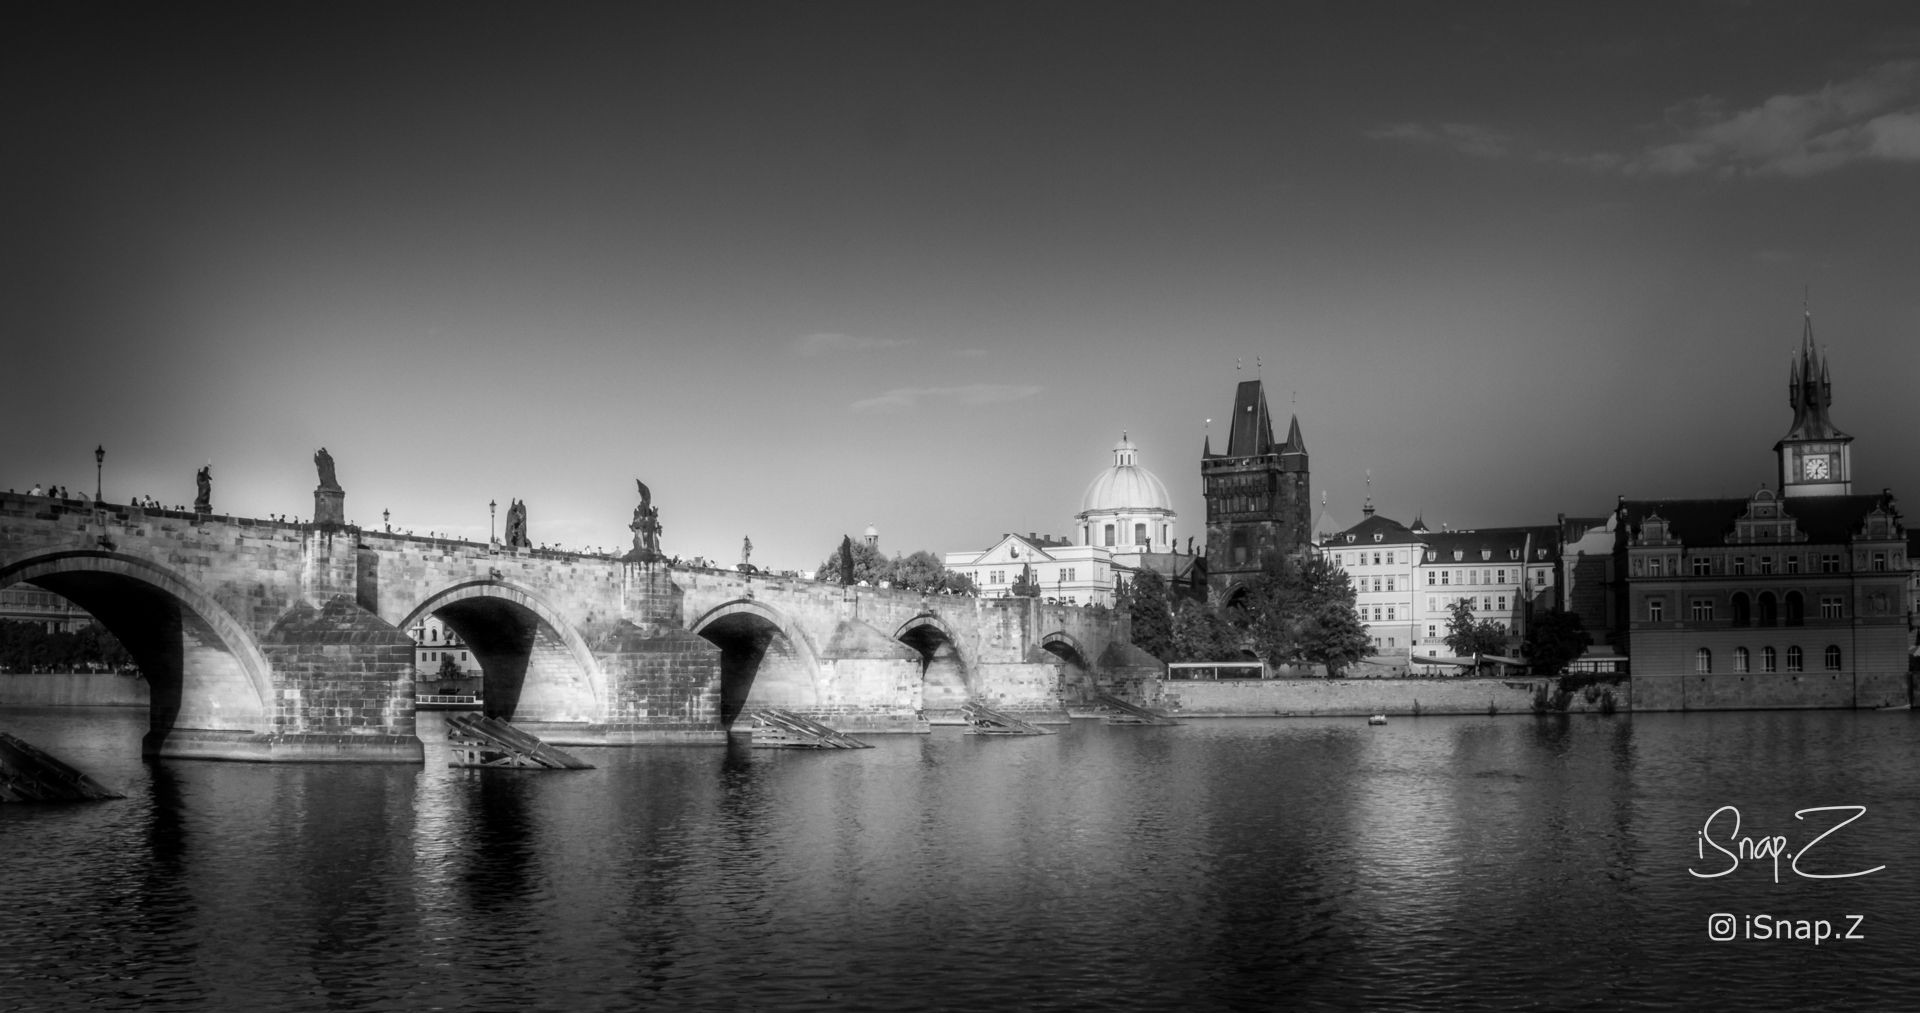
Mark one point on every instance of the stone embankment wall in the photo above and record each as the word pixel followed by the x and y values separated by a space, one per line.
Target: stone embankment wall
pixel 1358 697
pixel 80 689
pixel 1772 691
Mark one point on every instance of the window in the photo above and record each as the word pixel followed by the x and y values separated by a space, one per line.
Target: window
pixel 1502 578
pixel 1108 530
pixel 1443 575
pixel 1376 556
pixel 1139 534
pixel 1389 559
pixel 1431 630
pixel 1796 609
pixel 1793 564
pixel 1767 661
pixel 1376 584
pixel 1830 607
pixel 1486 604
pixel 1833 657
pixel 1793 658
pixel 1702 566
pixel 1879 560
pixel 1769 610
pixel 1742 611
pixel 1701 610
pixel 1539 578
pixel 1503 603
pixel 1703 661
pixel 1655 610
pixel 1430 578
pixel 1390 611
pixel 1389 583
pixel 1739 659
pixel 1766 566
pixel 1739 566
pixel 1653 567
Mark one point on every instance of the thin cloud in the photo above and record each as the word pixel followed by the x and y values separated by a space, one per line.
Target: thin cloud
pixel 1466 138
pixel 1872 117
pixel 970 396
pixel 837 344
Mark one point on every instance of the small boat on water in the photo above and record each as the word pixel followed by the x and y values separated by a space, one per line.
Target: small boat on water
pixel 1377 719
pixel 1895 707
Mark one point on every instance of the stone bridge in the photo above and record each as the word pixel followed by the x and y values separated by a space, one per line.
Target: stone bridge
pixel 265 640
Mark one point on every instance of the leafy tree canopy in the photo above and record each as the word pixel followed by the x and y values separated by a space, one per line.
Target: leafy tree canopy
pixel 1554 639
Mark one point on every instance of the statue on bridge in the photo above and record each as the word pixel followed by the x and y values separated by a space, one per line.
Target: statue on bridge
pixel 203 500
pixel 324 461
pixel 329 500
pixel 645 527
pixel 517 526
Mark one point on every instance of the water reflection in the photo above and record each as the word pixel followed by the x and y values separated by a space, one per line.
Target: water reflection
pixel 1433 863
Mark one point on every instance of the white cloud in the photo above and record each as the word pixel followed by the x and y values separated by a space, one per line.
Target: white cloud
pixel 1875 116
pixel 833 344
pixel 969 395
pixel 1466 138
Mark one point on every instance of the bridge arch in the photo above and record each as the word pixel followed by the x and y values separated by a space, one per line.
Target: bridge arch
pixel 204 669
pixel 946 680
pixel 766 659
pixel 536 666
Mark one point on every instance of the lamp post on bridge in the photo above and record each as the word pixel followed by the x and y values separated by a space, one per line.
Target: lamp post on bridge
pixel 386 518
pixel 492 506
pixel 99 462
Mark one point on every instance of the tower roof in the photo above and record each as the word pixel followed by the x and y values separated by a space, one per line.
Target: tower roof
pixel 1251 431
pixel 1810 391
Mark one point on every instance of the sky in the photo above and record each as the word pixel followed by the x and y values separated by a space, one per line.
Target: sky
pixel 802 268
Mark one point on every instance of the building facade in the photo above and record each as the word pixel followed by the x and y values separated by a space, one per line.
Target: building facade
pixel 1379 556
pixel 1807 580
pixel 1259 507
pixel 1072 574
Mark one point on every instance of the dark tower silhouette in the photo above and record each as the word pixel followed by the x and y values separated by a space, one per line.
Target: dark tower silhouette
pixel 1258 506
pixel 1816 458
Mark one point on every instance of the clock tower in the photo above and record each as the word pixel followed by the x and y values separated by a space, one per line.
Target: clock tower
pixel 1815 457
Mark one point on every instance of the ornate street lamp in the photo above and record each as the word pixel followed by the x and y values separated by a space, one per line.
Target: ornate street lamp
pixel 99 460
pixel 386 518
pixel 492 505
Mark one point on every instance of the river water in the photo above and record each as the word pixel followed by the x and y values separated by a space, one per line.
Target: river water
pixel 1435 863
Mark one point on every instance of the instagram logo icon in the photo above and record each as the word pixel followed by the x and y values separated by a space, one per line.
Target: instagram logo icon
pixel 1720 927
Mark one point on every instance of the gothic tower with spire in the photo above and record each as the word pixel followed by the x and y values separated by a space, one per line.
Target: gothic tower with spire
pixel 1258 505
pixel 1816 458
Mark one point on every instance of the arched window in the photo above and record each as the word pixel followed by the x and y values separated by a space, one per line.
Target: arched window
pixel 1795 661
pixel 1769 610
pixel 1768 660
pixel 1796 608
pixel 1740 659
pixel 1703 661
pixel 1833 657
pixel 1742 609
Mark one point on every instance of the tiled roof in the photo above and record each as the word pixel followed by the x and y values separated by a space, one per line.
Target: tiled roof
pixel 1825 520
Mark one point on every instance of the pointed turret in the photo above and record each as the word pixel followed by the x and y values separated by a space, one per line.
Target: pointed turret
pixel 1814 456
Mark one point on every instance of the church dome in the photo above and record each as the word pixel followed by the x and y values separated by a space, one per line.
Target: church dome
pixel 1125 487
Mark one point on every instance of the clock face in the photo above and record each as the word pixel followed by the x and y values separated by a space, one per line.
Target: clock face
pixel 1815 468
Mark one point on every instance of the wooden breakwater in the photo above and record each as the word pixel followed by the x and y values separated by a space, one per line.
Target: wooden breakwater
pixel 30 774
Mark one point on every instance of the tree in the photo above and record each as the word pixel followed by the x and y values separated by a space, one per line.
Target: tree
pixel 921 571
pixel 1197 633
pixel 1152 619
pixel 1554 639
pixel 868 565
pixel 449 668
pixel 1468 637
pixel 1302 610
